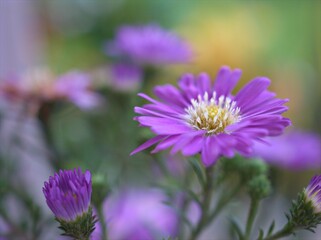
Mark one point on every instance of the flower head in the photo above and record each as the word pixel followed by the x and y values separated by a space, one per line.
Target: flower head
pixel 313 193
pixel 149 45
pixel 39 86
pixel 295 150
pixel 68 194
pixel 33 85
pixel 200 117
pixel 139 214
pixel 305 212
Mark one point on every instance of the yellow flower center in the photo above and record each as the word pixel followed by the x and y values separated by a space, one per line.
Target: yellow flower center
pixel 212 115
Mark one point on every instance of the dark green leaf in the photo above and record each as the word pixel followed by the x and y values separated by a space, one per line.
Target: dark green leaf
pixel 271 228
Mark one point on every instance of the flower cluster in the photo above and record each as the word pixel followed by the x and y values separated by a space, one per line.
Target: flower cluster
pixel 201 117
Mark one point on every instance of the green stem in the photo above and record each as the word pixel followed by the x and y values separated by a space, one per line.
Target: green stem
pixel 288 229
pixel 102 222
pixel 207 197
pixel 251 217
pixel 149 77
pixel 223 201
pixel 44 119
pixel 185 205
pixel 83 238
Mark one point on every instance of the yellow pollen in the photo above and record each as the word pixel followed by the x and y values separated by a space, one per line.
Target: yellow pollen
pixel 212 115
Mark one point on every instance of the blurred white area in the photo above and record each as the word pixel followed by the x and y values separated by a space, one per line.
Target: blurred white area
pixel 21 48
pixel 20 36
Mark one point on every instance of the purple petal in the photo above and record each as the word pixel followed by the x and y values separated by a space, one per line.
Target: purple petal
pixel 147 144
pixel 169 94
pixel 226 80
pixel 210 151
pixel 249 93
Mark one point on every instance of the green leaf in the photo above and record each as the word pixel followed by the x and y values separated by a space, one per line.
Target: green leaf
pixel 261 234
pixel 271 228
pixel 236 228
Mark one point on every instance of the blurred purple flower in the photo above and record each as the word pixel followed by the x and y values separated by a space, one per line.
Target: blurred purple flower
pixel 139 215
pixel 68 193
pixel 125 77
pixel 149 44
pixel 313 193
pixel 40 85
pixel 4 229
pixel 76 87
pixel 294 150
pixel 204 118
pixel 33 85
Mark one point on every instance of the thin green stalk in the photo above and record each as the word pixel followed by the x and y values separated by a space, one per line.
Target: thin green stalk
pixel 102 222
pixel 251 216
pixel 44 120
pixel 287 230
pixel 83 238
pixel 185 205
pixel 206 202
pixel 223 201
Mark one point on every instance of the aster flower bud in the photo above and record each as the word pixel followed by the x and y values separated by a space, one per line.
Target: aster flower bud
pixel 313 193
pixel 68 195
pixel 306 210
pixel 245 169
pixel 254 167
pixel 259 187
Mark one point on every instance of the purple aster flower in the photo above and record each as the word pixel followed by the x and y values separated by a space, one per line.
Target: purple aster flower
pixel 201 117
pixel 76 87
pixel 295 150
pixel 149 45
pixel 125 77
pixel 68 194
pixel 139 214
pixel 313 193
